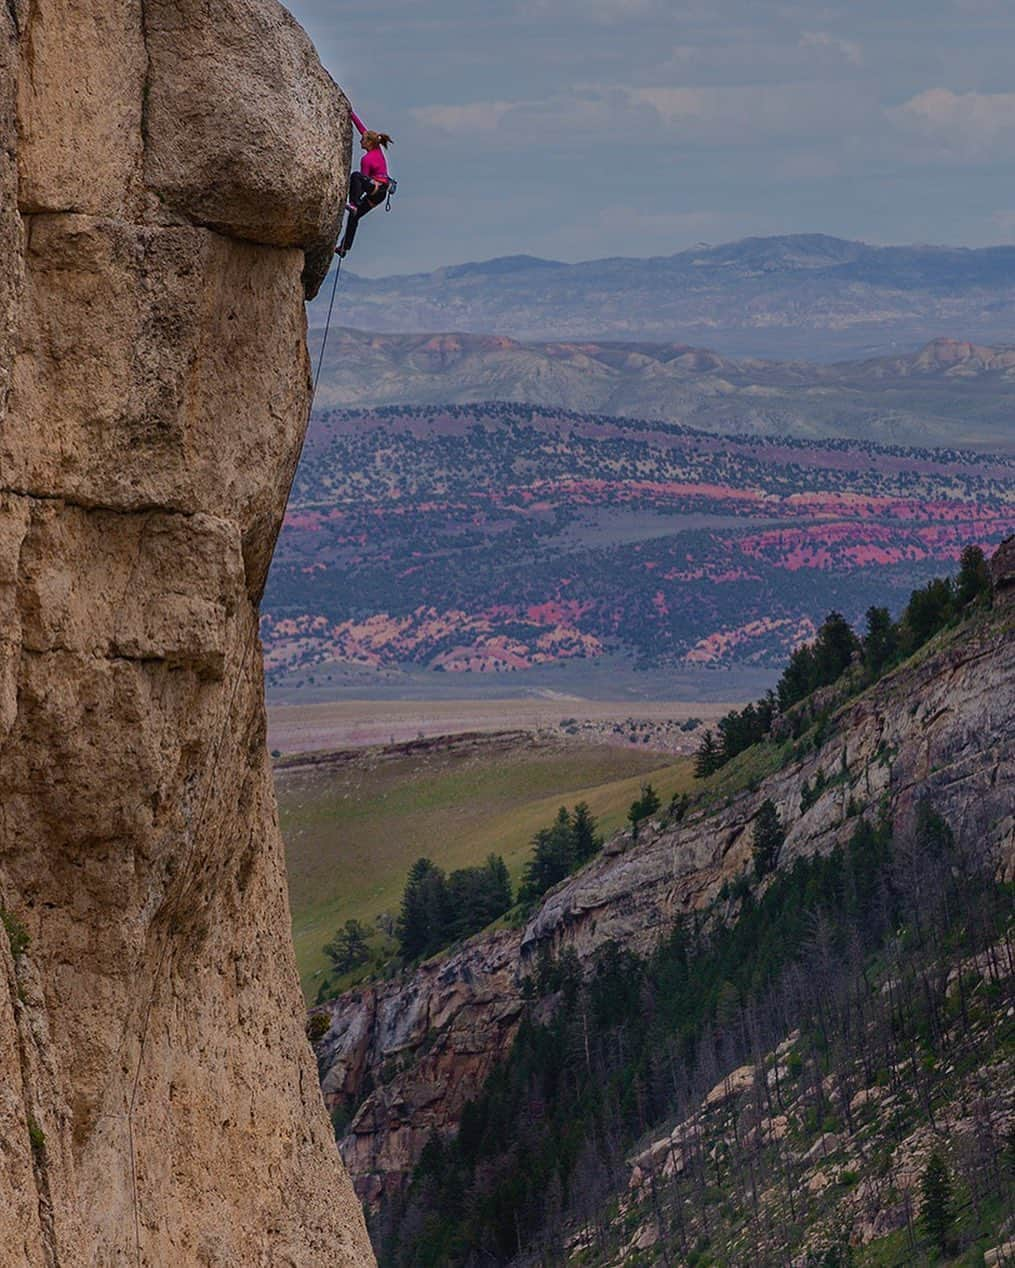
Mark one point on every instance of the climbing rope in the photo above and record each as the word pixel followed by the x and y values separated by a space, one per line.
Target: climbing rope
pixel 390 188
pixel 327 327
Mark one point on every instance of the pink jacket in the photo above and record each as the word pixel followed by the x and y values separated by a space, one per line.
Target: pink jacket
pixel 374 166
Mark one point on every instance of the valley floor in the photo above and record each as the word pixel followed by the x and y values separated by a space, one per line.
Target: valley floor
pixel 355 822
pixel 337 724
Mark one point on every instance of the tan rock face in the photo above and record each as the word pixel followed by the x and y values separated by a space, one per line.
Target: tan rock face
pixel 245 132
pixel 158 1101
pixel 79 97
pixel 943 727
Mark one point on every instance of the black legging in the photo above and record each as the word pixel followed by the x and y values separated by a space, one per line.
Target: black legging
pixel 364 198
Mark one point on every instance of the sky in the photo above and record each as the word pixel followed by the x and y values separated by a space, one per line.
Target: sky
pixel 578 129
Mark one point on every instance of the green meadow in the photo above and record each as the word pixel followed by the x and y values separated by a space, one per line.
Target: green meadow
pixel 352 830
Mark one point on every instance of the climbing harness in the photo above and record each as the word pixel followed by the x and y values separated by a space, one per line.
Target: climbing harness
pixel 392 187
pixel 327 327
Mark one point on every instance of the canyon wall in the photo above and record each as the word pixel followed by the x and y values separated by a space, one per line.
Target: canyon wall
pixel 170 178
pixel 409 1053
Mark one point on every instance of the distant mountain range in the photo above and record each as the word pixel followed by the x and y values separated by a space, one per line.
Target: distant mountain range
pixel 495 539
pixel 950 392
pixel 804 295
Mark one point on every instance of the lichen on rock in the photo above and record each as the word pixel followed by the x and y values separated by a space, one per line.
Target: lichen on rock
pixel 158 1101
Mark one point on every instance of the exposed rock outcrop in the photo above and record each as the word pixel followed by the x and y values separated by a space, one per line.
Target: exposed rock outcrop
pixel 165 169
pixel 942 726
pixel 432 1040
pixel 1002 572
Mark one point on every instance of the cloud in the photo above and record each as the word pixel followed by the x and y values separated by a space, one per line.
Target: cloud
pixel 740 113
pixel 513 124
pixel 675 106
pixel 972 123
pixel 746 55
pixel 602 11
pixel 711 115
pixel 468 120
pixel 846 50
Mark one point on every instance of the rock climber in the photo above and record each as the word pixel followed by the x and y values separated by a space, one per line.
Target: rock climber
pixel 369 186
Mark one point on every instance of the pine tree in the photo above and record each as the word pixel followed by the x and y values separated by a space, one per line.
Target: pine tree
pixel 933 836
pixel 498 885
pixel 584 833
pixel 928 611
pixel 348 949
pixel 798 679
pixel 936 1214
pixel 768 838
pixel 553 857
pixel 707 759
pixel 974 577
pixel 425 917
pixel 410 927
pixel 680 803
pixel 646 805
pixel 833 648
pixel 881 640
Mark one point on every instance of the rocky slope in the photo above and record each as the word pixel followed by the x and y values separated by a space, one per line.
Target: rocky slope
pixel 168 179
pixel 407 1054
pixel 854 1185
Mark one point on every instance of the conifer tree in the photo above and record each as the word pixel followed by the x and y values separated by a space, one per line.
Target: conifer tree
pixel 680 803
pixel 707 759
pixel 936 1214
pixel 646 805
pixel 833 648
pixel 499 884
pixel 584 832
pixel 476 896
pixel 881 640
pixel 768 838
pixel 798 679
pixel 934 838
pixel 348 949
pixel 928 611
pixel 423 921
pixel 973 580
pixel 553 857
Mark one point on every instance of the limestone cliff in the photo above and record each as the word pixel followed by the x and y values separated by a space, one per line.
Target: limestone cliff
pixel 169 176
pixel 942 725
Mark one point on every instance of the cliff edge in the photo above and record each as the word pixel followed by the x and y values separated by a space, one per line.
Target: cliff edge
pixel 169 178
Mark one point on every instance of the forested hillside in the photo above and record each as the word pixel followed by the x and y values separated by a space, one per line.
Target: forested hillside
pixel 770 1025
pixel 811 1040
